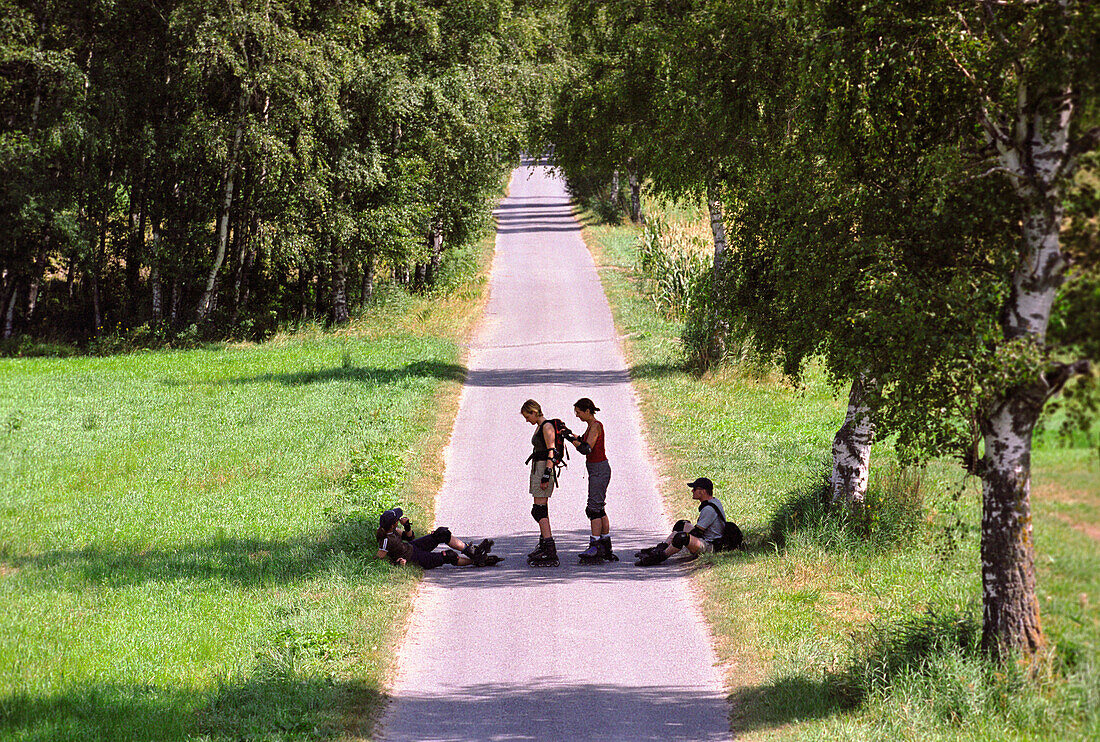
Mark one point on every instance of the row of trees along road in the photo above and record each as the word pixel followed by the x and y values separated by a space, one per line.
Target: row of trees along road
pixel 911 189
pixel 233 162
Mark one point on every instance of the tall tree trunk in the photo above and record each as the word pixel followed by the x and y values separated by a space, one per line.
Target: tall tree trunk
pixel 156 297
pixel 9 308
pixel 852 447
pixel 94 274
pixel 340 313
pixel 247 257
pixel 174 302
pixel 367 290
pixel 36 277
pixel 719 327
pixel 616 195
pixel 135 244
pixel 206 300
pixel 9 287
pixel 420 270
pixel 435 251
pixel 636 215
pixel 1036 150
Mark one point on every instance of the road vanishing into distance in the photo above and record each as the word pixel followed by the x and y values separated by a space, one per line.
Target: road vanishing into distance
pixel 578 652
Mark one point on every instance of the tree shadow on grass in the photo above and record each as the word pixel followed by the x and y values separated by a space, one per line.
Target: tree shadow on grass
pixel 312 708
pixel 348 372
pixel 243 561
pixel 782 702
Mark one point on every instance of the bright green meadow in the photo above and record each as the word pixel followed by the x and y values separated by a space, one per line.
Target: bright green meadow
pixel 187 537
pixel 863 627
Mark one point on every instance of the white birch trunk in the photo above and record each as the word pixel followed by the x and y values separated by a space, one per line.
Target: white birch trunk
pixel 1036 154
pixel 852 447
pixel 206 301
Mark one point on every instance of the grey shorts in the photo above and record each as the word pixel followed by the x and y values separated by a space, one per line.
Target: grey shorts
pixel 537 468
pixel 599 476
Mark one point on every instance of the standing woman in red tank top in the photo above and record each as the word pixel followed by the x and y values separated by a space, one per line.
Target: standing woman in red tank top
pixel 591 443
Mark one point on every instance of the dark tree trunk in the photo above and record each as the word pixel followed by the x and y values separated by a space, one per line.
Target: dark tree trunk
pixel 11 292
pixel 636 215
pixel 420 272
pixel 37 275
pixel 135 245
pixel 156 297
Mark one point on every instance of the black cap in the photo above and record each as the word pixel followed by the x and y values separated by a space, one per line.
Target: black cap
pixel 389 517
pixel 703 483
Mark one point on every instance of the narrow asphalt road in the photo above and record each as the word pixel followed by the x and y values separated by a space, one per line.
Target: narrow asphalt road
pixel 580 652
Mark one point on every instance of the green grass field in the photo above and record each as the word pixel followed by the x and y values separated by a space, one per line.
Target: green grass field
pixel 187 537
pixel 862 631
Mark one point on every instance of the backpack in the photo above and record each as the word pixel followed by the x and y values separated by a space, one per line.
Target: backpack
pixel 561 453
pixel 731 534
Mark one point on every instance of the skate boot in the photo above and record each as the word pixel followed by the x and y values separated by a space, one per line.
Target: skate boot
pixel 547 557
pixel 538 549
pixel 593 554
pixel 652 549
pixel 605 549
pixel 652 557
pixel 484 546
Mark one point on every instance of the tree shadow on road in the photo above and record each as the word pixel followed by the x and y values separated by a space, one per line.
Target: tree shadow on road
pixel 550 710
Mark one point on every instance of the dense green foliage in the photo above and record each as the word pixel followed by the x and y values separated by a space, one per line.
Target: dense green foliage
pixel 837 627
pixel 234 164
pixel 897 178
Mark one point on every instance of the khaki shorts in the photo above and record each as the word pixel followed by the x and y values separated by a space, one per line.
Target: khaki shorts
pixel 537 468
pixel 708 547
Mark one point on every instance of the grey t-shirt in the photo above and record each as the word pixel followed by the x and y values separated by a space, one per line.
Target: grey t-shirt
pixel 709 521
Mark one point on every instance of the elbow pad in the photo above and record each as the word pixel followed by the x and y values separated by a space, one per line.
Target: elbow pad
pixel 583 447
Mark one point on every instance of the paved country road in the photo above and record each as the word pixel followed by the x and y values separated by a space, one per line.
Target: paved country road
pixel 578 652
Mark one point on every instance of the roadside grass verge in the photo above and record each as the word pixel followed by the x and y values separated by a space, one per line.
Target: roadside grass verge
pixel 187 537
pixel 865 627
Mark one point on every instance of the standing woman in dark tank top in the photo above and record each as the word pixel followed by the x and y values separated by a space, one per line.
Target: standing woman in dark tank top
pixel 591 443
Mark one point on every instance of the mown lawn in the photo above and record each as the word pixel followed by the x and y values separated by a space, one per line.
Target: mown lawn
pixel 186 537
pixel 866 631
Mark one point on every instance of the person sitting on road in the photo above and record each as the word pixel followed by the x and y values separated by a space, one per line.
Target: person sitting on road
pixel 700 538
pixel 402 546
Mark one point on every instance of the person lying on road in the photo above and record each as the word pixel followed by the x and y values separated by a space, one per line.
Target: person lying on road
pixel 402 546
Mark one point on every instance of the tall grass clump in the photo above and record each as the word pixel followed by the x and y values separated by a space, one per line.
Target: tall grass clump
pixel 925 676
pixel 674 265
pixel 892 513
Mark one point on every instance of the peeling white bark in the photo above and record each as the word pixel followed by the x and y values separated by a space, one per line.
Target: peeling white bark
pixel 852 447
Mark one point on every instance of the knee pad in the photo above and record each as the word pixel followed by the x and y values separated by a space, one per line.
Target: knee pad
pixel 680 525
pixel 680 540
pixel 538 512
pixel 594 514
pixel 443 534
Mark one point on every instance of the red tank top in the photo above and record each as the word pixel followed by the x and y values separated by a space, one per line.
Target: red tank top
pixel 598 453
